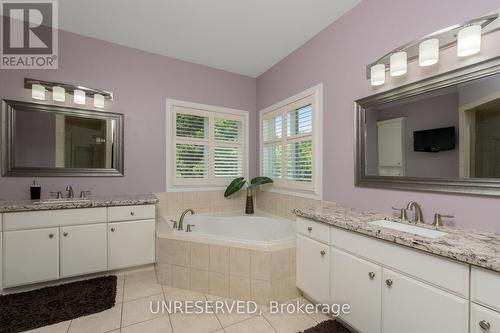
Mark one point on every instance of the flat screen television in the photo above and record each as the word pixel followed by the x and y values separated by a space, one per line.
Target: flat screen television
pixel 434 140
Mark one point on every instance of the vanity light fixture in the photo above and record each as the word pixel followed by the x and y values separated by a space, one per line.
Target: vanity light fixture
pixel 428 52
pixel 98 101
pixel 59 91
pixel 378 74
pixel 469 41
pixel 466 37
pixel 38 92
pixel 79 97
pixel 58 94
pixel 399 63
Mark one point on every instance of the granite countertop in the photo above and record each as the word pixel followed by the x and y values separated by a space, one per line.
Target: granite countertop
pixel 469 246
pixel 8 206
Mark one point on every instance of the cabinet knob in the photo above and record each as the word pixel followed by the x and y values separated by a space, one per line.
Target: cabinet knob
pixel 65 234
pixel 51 235
pixel 371 275
pixel 112 229
pixel 132 213
pixel 485 325
pixel 322 253
pixel 309 229
pixel 388 282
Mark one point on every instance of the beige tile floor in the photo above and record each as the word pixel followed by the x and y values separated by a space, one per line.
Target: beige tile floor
pixel 132 314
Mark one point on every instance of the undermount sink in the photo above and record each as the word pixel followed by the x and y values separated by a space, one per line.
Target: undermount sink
pixel 61 201
pixel 424 232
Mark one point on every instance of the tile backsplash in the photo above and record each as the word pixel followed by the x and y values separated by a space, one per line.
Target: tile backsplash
pixel 173 203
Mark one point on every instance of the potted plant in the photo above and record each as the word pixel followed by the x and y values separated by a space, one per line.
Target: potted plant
pixel 238 183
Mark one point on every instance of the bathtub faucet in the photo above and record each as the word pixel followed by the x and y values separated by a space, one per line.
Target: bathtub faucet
pixel 181 220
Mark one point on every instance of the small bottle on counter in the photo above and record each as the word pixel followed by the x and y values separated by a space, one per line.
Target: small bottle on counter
pixel 35 190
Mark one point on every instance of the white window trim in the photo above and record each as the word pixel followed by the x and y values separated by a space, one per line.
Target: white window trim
pixel 317 92
pixel 170 104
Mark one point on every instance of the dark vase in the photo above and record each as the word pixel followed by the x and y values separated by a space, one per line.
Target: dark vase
pixel 249 205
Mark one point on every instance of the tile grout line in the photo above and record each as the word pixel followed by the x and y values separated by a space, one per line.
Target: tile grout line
pixel 122 303
pixel 169 319
pixel 269 323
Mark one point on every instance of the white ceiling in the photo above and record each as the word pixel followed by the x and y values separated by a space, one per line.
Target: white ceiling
pixel 241 36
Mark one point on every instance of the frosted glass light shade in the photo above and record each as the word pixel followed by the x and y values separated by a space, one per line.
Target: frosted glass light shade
pixel 98 101
pixel 377 74
pixel 58 94
pixel 79 96
pixel 38 91
pixel 428 52
pixel 469 41
pixel 399 65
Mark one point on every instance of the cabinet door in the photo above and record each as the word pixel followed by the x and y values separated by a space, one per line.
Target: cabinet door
pixel 131 243
pixel 411 306
pixel 357 282
pixel 83 249
pixel 483 320
pixel 31 256
pixel 313 269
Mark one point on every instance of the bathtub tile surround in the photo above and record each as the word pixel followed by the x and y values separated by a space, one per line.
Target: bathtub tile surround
pixel 282 204
pixel 472 247
pixel 227 271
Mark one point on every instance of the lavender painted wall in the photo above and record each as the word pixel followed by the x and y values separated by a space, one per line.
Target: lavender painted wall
pixel 141 82
pixel 337 57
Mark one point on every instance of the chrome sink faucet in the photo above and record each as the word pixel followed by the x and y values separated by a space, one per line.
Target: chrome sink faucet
pixel 418 217
pixel 71 193
pixel 181 220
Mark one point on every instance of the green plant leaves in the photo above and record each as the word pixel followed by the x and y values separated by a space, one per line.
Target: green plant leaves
pixel 235 186
pixel 261 181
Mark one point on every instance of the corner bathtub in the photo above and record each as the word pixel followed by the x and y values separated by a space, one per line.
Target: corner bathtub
pixel 229 255
pixel 236 229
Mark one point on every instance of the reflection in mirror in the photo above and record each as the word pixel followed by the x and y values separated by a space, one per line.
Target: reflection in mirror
pixel 52 140
pixel 448 133
pixel 47 140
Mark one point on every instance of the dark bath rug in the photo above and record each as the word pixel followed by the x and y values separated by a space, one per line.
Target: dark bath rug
pixel 50 305
pixel 328 326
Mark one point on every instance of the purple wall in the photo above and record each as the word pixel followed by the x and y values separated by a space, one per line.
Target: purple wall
pixel 337 57
pixel 141 82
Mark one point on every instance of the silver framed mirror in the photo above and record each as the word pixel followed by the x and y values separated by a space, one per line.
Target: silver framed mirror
pixel 441 134
pixel 41 140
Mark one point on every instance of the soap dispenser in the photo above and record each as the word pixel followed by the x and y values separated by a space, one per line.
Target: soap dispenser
pixel 35 190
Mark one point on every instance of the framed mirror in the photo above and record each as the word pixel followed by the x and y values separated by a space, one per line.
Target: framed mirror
pixel 439 134
pixel 50 141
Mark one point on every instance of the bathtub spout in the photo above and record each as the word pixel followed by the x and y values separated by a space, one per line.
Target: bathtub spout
pixel 181 220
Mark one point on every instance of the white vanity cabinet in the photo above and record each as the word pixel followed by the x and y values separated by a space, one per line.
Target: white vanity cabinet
pixel 485 298
pixel 483 320
pixel 83 249
pixel 313 268
pixel 31 256
pixel 47 245
pixel 131 243
pixel 412 306
pixel 358 283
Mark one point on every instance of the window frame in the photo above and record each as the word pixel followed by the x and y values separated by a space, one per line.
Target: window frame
pixel 211 183
pixel 314 189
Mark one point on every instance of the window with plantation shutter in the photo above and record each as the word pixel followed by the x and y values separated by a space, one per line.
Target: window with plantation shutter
pixel 290 138
pixel 207 146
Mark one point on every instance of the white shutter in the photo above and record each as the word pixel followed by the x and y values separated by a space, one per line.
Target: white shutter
pixel 209 147
pixel 287 136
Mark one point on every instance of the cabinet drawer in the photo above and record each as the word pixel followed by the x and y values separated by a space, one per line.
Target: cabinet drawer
pixel 485 287
pixel 315 230
pixel 481 318
pixel 447 274
pixel 129 213
pixel 54 218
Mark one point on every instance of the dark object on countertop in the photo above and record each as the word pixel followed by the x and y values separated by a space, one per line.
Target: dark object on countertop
pixel 35 190
pixel 329 326
pixel 50 305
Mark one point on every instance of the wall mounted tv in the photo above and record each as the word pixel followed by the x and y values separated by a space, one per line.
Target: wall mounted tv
pixel 434 140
